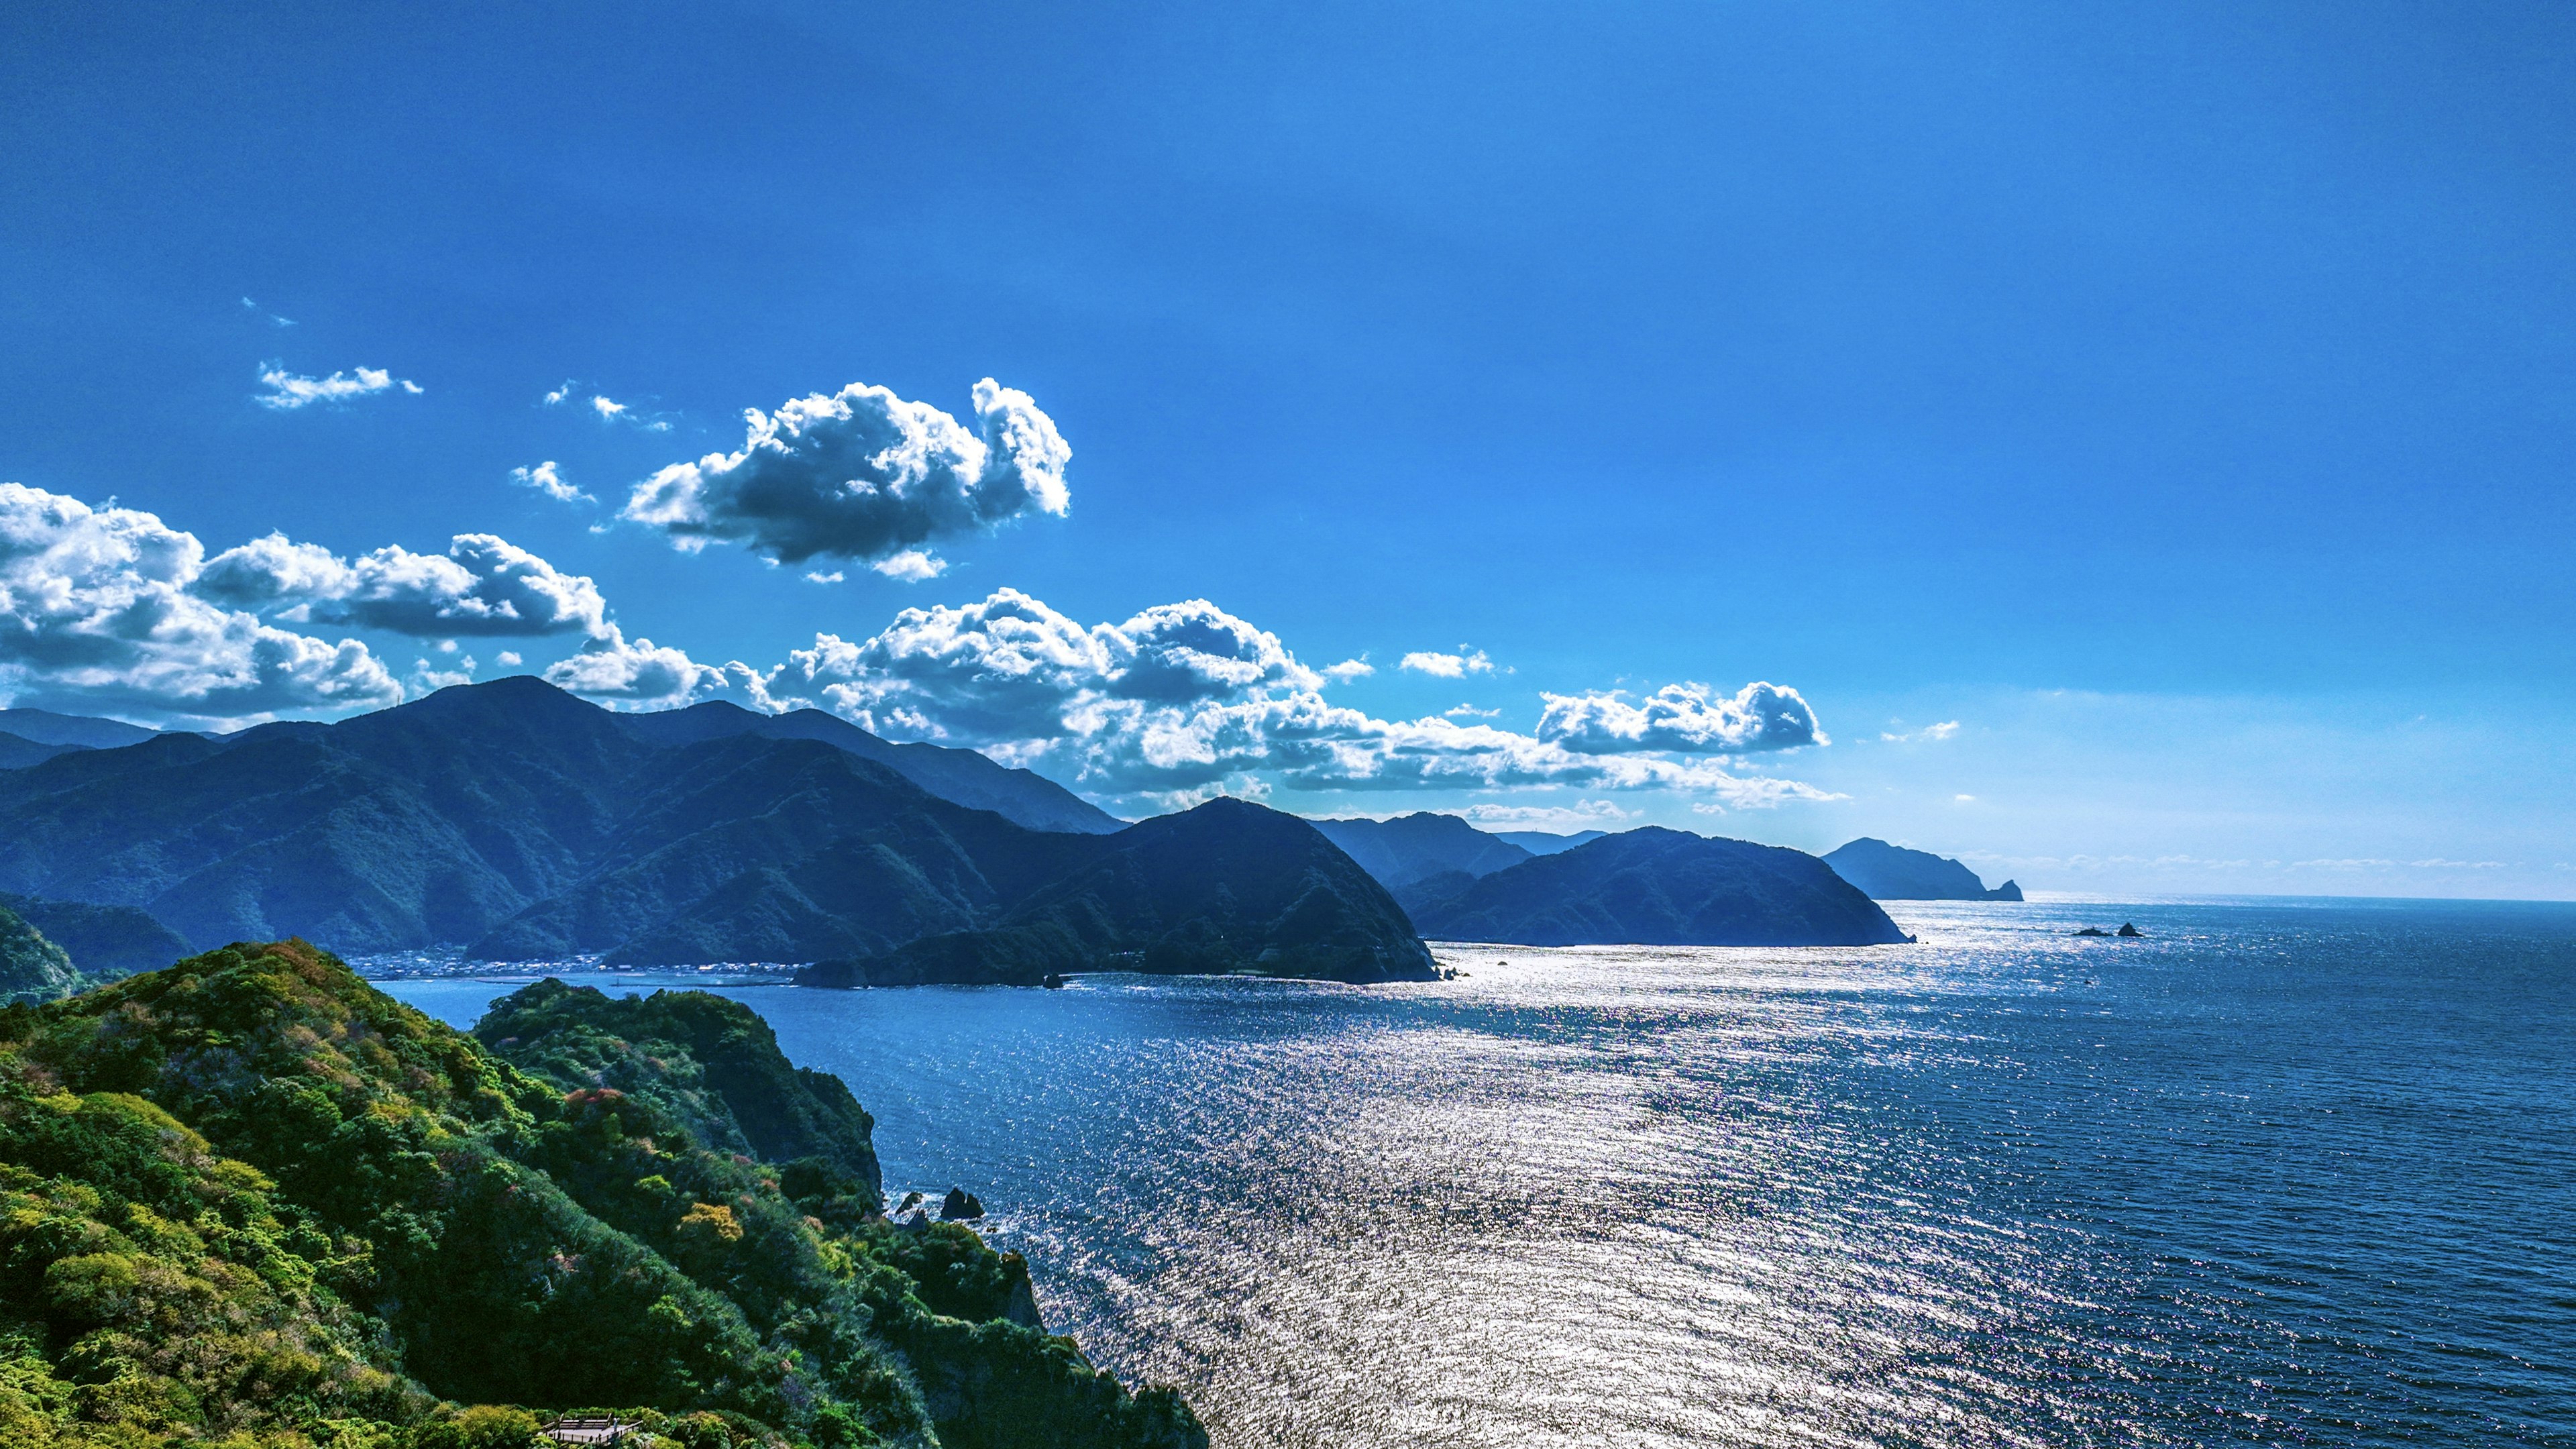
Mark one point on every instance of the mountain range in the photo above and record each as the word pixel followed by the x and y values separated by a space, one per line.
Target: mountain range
pixel 1893 873
pixel 516 822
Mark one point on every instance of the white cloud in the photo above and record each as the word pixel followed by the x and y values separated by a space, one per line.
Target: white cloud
pixel 1964 799
pixel 1183 697
pixel 273 319
pixel 643 675
pixel 819 577
pixel 604 407
pixel 428 678
pixel 556 398
pixel 509 659
pixel 97 610
pixel 1469 711
pixel 1688 719
pixel 287 391
pixel 547 480
pixel 862 474
pixel 482 586
pixel 1349 669
pixel 912 566
pixel 1563 819
pixel 1942 731
pixel 1448 666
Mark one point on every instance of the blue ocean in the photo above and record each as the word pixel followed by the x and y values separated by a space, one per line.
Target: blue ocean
pixel 2289 1172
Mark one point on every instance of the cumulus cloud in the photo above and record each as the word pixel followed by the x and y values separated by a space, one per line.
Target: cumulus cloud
pixel 1469 711
pixel 1448 666
pixel 862 474
pixel 642 675
pixel 1688 719
pixel 97 607
pixel 287 391
pixel 1186 697
pixel 1349 669
pixel 912 566
pixel 482 586
pixel 547 480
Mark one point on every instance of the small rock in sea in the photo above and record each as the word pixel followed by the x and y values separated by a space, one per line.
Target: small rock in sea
pixel 960 1206
pixel 2128 930
pixel 2092 931
pixel 1053 982
pixel 910 1201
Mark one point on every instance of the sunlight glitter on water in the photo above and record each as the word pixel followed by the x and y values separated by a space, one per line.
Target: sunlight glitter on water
pixel 2267 1175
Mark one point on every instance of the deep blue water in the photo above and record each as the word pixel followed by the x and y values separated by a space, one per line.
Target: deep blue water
pixel 2280 1173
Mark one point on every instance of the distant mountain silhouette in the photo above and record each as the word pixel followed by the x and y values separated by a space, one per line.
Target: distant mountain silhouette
pixel 1893 873
pixel 963 776
pixel 45 727
pixel 105 942
pixel 1658 887
pixel 18 752
pixel 1410 848
pixel 1539 842
pixel 1229 886
pixel 525 824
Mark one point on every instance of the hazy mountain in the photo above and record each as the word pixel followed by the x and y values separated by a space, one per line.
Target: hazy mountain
pixel 45 727
pixel 1660 887
pixel 1410 848
pixel 1893 873
pixel 1020 796
pixel 1539 842
pixel 518 821
pixel 1229 886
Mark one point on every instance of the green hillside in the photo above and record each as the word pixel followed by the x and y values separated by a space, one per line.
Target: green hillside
pixel 251 1201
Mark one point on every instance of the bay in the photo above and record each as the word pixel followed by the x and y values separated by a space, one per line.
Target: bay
pixel 2279 1172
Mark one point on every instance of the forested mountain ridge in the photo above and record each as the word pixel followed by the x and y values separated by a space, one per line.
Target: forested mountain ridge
pixel 251 1195
pixel 1658 887
pixel 515 821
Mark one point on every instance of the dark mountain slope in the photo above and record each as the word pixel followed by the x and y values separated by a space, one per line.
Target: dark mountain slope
pixel 1657 887
pixel 1229 886
pixel 1413 847
pixel 17 752
pixel 105 942
pixel 248 1199
pixel 963 776
pixel 524 824
pixel 1893 873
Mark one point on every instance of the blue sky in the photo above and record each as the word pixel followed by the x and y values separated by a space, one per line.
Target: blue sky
pixel 2140 442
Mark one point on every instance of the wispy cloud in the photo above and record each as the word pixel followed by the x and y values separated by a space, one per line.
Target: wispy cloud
pixel 1942 731
pixel 273 319
pixel 546 479
pixel 1469 711
pixel 287 391
pixel 911 566
pixel 1448 666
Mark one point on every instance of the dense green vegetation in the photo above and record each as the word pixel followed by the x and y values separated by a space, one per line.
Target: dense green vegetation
pixel 249 1200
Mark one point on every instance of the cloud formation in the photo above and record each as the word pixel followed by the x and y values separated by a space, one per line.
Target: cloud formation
pixel 1685 719
pixel 1448 666
pixel 547 480
pixel 1185 697
pixel 482 586
pixel 287 391
pixel 97 606
pixel 642 675
pixel 864 475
